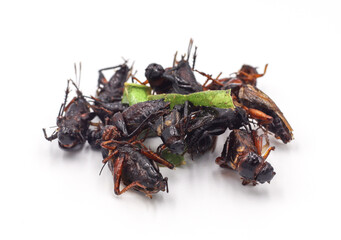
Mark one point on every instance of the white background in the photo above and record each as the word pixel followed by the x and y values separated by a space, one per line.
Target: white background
pixel 47 193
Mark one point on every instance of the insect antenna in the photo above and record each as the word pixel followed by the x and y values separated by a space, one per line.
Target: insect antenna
pixel 80 72
pixel 174 60
pixel 130 73
pixel 189 48
pixel 125 60
pixel 62 107
pixel 134 78
pixel 194 57
pixel 75 70
pixel 78 78
pixel 79 93
pixel 100 172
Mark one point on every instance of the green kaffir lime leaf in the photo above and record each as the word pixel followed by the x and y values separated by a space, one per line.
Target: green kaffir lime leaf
pixel 176 159
pixel 216 98
pixel 135 93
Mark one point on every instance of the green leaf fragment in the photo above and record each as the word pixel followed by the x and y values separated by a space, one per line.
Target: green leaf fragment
pixel 176 159
pixel 216 98
pixel 135 93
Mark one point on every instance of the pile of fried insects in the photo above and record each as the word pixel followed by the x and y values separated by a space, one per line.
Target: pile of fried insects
pixel 186 115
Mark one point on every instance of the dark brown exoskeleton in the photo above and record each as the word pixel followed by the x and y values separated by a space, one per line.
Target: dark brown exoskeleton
pixel 135 165
pixel 171 129
pixel 194 129
pixel 178 79
pixel 73 121
pixel 246 75
pixel 160 80
pixel 206 123
pixel 135 119
pixel 242 153
pixel 256 103
pixel 131 122
pixel 109 93
pixel 184 75
pixel 256 100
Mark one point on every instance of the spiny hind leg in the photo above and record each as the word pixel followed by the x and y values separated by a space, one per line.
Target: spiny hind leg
pixel 118 167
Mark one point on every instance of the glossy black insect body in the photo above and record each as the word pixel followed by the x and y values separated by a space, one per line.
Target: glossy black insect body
pixel 73 122
pixel 185 79
pixel 242 153
pixel 135 165
pixel 171 128
pixel 256 103
pixel 129 123
pixel 160 80
pixel 253 98
pixel 138 115
pixel 112 90
pixel 208 122
pixel 178 79
pixel 109 93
